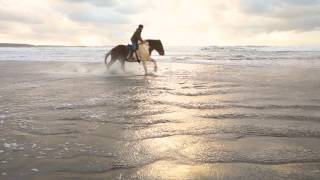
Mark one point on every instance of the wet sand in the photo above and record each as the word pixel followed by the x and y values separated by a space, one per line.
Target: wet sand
pixel 188 121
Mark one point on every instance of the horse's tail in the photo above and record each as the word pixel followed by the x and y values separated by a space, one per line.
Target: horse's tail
pixel 106 56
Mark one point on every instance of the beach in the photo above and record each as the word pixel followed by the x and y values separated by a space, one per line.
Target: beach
pixel 75 120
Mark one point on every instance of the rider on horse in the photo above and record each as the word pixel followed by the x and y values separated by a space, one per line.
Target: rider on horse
pixel 134 39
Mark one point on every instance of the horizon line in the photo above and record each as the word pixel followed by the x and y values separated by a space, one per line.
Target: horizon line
pixel 207 45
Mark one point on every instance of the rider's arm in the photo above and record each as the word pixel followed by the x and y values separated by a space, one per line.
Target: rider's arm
pixel 139 36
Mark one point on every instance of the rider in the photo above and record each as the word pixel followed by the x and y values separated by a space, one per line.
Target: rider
pixel 134 39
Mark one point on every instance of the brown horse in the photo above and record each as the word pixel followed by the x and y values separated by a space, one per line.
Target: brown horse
pixel 121 53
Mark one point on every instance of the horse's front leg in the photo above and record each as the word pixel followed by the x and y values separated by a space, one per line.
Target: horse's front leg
pixel 155 65
pixel 145 67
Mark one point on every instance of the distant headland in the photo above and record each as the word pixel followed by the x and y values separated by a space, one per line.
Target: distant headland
pixel 15 45
pixel 31 45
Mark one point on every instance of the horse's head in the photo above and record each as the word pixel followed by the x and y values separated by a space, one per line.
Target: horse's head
pixel 155 45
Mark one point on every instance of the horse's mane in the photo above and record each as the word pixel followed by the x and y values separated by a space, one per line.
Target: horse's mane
pixel 154 41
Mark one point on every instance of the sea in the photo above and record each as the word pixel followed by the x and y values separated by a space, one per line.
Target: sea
pixel 226 55
pixel 209 112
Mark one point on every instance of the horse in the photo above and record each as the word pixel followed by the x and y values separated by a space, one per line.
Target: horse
pixel 121 52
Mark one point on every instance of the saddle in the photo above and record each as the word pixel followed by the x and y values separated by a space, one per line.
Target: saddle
pixel 131 47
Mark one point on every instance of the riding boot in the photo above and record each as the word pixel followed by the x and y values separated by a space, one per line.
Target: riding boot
pixel 138 59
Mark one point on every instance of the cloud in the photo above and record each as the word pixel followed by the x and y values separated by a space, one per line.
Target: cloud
pixel 178 22
pixel 107 12
pixel 259 7
pixel 282 15
pixel 107 3
pixel 91 14
pixel 123 6
pixel 16 12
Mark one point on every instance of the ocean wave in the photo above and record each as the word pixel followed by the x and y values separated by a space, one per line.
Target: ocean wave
pixel 203 106
pixel 173 54
pixel 262 116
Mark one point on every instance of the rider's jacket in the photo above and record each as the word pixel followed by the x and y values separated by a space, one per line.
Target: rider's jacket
pixel 136 36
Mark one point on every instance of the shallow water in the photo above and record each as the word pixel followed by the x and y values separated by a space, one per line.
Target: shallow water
pixel 73 120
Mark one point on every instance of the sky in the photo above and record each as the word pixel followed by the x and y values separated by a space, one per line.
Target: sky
pixel 175 22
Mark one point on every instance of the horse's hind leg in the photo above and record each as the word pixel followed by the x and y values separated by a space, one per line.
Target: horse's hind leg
pixel 122 65
pixel 155 65
pixel 110 63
